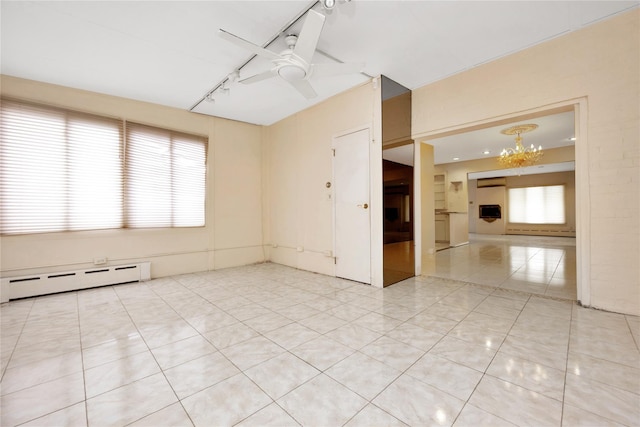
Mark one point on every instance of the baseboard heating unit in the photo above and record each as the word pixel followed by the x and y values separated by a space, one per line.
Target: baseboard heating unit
pixel 62 281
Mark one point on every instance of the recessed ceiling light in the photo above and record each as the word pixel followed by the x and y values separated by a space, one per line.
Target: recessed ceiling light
pixel 456 158
pixel 573 138
pixel 486 152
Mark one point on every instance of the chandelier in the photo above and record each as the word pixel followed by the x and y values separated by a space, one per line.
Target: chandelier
pixel 519 156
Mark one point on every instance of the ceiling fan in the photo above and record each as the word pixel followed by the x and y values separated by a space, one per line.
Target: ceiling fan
pixel 294 63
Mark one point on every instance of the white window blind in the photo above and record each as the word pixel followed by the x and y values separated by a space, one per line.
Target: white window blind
pixel 537 205
pixel 165 178
pixel 60 170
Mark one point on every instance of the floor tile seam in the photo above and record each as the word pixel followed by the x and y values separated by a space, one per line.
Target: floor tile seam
pixel 624 365
pixel 607 384
pixel 84 377
pixel 403 372
pixel 4 370
pixel 633 336
pixel 154 412
pixel 161 371
pixel 527 357
pixel 567 373
pixel 46 382
pixel 561 401
pixel 54 411
pixel 589 412
pixel 609 341
pixel 79 350
pixel 471 404
pixel 215 350
pixel 378 407
pixel 485 374
pixel 435 386
pixel 566 368
pixel 267 405
pixel 370 401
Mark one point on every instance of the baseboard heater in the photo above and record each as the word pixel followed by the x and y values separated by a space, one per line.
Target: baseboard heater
pixel 50 283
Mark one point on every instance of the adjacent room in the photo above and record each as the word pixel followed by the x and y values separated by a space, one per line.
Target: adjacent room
pixel 319 213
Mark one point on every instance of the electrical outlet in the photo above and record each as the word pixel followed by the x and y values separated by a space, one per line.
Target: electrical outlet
pixel 99 261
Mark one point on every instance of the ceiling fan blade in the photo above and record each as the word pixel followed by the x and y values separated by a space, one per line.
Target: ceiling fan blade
pixel 305 88
pixel 248 45
pixel 259 77
pixel 334 69
pixel 309 36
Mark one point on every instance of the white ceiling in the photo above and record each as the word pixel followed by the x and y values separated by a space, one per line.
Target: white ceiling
pixel 553 131
pixel 168 52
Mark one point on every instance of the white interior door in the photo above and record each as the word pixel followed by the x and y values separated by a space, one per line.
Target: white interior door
pixel 352 210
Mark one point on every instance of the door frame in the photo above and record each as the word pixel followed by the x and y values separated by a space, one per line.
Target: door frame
pixel 583 214
pixel 375 200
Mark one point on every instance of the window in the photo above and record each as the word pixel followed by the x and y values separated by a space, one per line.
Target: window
pixel 60 170
pixel 537 205
pixel 165 183
pixel 63 171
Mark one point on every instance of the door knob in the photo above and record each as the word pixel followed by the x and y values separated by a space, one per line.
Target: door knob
pixel 365 206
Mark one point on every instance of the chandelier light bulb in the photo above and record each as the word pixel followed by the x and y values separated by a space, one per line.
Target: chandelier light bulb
pixel 519 156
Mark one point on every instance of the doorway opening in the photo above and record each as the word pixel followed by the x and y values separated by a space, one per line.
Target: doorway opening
pixel 551 278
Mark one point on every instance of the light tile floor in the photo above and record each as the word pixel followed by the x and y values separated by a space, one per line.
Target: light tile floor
pixel 269 345
pixel 535 264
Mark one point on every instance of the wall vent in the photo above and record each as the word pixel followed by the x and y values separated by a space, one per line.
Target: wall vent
pixel 49 283
pixel 491 182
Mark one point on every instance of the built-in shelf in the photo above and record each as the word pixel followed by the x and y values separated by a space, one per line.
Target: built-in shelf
pixel 457 185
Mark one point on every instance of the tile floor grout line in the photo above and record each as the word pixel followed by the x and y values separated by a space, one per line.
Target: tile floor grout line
pixel 24 324
pixel 154 358
pixel 84 377
pixel 536 308
pixel 412 364
pixel 240 371
pixel 633 336
pixel 484 373
pixel 566 368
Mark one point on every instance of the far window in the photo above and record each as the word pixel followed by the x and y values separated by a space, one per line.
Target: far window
pixel 165 178
pixel 537 205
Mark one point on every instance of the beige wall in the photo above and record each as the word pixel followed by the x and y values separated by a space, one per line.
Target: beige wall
pixel 463 197
pixel 598 68
pixel 457 195
pixel 233 231
pixel 298 163
pixel 425 228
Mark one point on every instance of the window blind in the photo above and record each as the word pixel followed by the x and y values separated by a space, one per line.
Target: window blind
pixel 165 178
pixel 537 205
pixel 60 170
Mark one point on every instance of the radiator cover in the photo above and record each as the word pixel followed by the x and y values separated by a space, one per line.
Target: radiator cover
pixel 49 283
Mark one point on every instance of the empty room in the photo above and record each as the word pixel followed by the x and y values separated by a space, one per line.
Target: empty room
pixel 320 213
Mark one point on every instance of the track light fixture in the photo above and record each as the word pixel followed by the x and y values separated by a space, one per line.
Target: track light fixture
pixel 328 4
pixel 233 76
